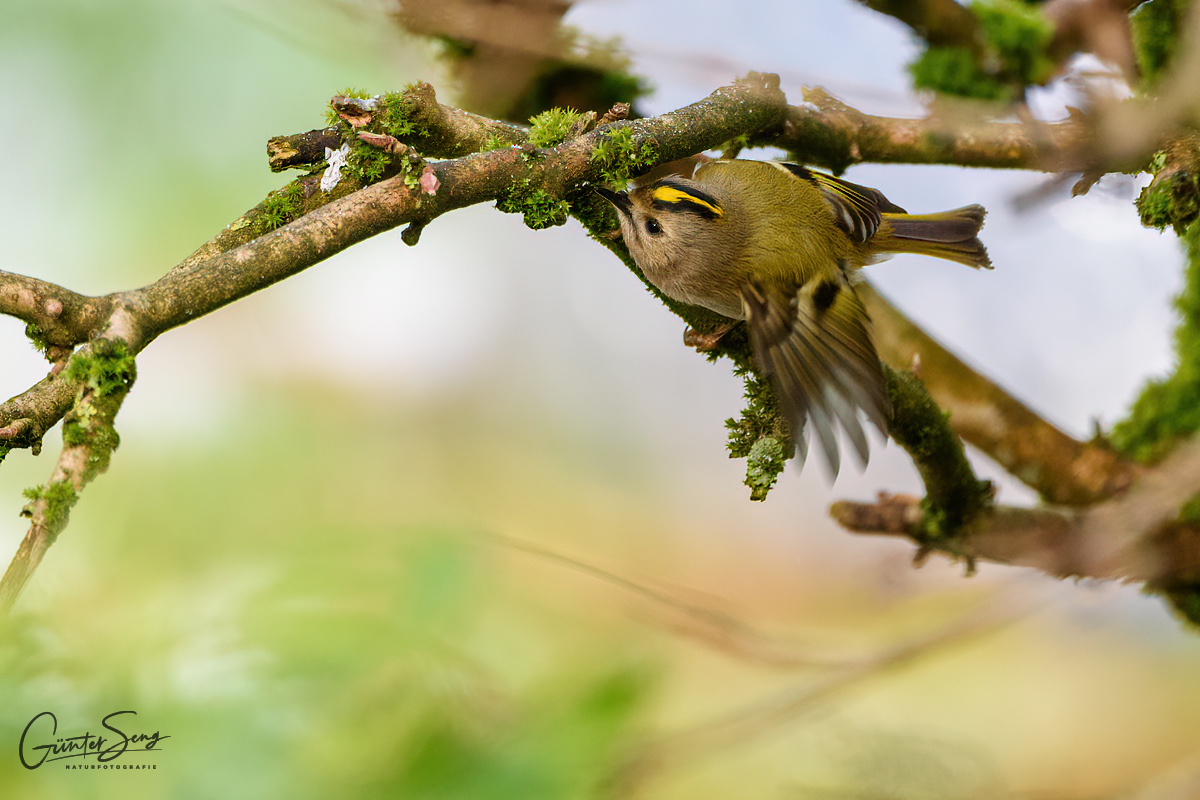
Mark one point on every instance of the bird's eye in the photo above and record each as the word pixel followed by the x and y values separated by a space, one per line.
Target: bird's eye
pixel 653 228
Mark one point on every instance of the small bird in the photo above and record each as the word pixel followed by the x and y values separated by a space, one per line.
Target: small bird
pixel 778 245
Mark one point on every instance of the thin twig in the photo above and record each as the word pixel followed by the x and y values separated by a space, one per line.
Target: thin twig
pixel 741 726
pixel 709 625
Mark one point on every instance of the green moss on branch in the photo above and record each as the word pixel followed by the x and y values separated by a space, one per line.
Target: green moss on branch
pixel 56 499
pixel 1155 27
pixel 954 497
pixel 554 126
pixel 622 157
pixel 537 207
pixel 1169 408
pixel 107 367
pixel 1015 39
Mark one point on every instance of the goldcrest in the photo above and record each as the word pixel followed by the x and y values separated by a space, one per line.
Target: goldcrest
pixel 778 245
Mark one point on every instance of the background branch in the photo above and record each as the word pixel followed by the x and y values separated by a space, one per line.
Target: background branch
pixel 753 720
pixel 939 22
pixel 1136 536
pixel 824 130
pixel 1063 470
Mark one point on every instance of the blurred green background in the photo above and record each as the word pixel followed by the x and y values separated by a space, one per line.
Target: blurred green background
pixel 426 523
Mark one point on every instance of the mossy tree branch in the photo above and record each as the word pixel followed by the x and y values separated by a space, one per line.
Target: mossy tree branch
pixel 1139 535
pixel 945 23
pixel 954 498
pixel 243 259
pixel 104 370
pixel 391 184
pixel 1063 470
pixel 825 131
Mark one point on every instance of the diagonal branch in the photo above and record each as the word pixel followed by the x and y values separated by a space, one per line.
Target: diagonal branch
pixel 945 23
pixel 709 625
pixel 1063 470
pixel 105 370
pixel 1134 536
pixel 235 263
pixel 717 736
pixel 202 286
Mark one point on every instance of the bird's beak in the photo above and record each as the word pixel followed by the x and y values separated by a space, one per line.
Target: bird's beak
pixel 618 199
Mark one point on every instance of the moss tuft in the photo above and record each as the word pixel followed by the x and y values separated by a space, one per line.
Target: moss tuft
pixel 1169 408
pixel 107 373
pixel 281 207
pixel 331 117
pixel 1155 26
pixel 622 157
pixel 494 142
pixel 1018 34
pixel 759 434
pixel 37 337
pixel 1173 197
pixel 764 463
pixel 59 497
pixel 1154 205
pixel 107 370
pixel 1015 37
pixel 366 164
pixel 954 70
pixel 538 207
pixel 551 128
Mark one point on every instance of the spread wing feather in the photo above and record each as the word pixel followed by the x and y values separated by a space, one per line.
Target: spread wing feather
pixel 814 343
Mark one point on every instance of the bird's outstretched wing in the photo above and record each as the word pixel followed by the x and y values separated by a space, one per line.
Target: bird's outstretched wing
pixel 814 342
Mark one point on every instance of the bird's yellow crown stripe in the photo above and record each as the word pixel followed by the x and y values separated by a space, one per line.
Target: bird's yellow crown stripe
pixel 673 194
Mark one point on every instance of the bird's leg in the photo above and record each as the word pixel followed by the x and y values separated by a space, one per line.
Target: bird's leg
pixel 704 342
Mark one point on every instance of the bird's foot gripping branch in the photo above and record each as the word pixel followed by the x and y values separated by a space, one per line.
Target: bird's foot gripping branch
pixel 404 159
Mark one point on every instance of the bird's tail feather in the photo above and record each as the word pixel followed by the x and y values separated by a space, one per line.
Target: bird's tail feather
pixel 952 235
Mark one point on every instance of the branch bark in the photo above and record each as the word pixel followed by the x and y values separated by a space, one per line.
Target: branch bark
pixel 237 262
pixel 62 318
pixel 1136 536
pixel 234 264
pixel 1062 469
pixel 944 23
pixel 823 130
